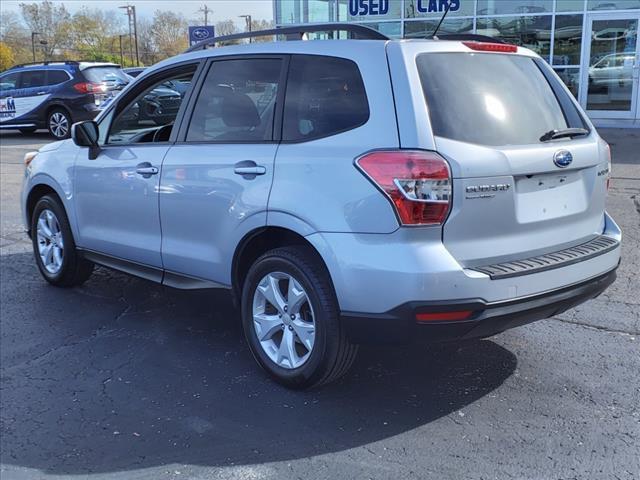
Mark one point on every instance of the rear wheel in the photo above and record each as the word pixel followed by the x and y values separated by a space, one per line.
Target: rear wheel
pixel 291 319
pixel 59 123
pixel 53 245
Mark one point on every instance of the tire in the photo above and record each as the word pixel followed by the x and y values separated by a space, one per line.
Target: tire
pixel 66 268
pixel 59 123
pixel 330 355
pixel 27 131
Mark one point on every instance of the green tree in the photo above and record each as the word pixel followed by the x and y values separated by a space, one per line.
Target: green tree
pixel 6 56
pixel 51 21
pixel 93 33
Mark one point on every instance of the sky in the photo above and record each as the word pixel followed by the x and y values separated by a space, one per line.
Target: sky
pixel 222 9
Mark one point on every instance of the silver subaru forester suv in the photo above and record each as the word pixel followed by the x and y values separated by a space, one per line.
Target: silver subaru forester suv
pixel 347 191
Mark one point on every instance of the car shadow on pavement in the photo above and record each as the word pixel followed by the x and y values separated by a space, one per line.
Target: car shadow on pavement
pixel 121 374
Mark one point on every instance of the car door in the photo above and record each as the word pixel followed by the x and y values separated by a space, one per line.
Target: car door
pixel 216 179
pixel 8 89
pixel 117 192
pixel 32 93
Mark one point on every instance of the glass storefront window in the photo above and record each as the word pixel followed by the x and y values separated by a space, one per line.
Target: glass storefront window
pixel 304 11
pixel 613 4
pixel 500 7
pixel 436 8
pixel 567 40
pixel 425 28
pixel 569 5
pixel 390 29
pixel 354 10
pixel 532 32
pixel 571 78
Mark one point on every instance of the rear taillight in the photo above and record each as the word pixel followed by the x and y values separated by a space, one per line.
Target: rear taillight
pixel 418 183
pixel 492 47
pixel 89 87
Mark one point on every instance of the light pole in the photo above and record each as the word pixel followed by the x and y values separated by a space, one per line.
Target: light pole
pixel 33 44
pixel 133 30
pixel 121 51
pixel 247 19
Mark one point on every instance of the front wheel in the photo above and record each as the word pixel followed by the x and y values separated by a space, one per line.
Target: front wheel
pixel 291 321
pixel 53 245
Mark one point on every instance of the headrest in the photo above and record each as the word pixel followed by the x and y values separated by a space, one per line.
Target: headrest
pixel 238 110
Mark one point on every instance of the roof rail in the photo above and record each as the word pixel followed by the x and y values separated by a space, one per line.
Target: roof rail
pixel 58 62
pixel 467 36
pixel 297 32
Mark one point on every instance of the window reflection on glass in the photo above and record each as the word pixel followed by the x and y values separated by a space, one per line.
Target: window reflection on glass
pixel 426 28
pixel 436 8
pixel 304 11
pixel 499 7
pixel 353 10
pixel 612 4
pixel 390 29
pixel 613 46
pixel 571 78
pixel 530 32
pixel 569 5
pixel 568 40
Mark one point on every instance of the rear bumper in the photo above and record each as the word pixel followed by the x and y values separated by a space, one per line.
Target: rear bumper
pixel 489 318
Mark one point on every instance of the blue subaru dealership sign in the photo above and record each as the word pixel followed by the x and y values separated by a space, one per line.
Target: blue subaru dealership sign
pixel 198 34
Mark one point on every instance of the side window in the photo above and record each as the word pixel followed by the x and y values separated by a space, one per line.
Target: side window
pixel 237 102
pixel 56 77
pixel 9 81
pixel 33 79
pixel 325 96
pixel 149 116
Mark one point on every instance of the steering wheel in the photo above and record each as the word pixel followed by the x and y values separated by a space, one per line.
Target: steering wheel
pixel 163 130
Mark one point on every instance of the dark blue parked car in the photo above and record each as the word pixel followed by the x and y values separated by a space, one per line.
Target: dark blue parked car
pixel 53 95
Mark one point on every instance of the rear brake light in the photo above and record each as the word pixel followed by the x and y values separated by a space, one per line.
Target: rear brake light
pixel 418 183
pixel 89 87
pixel 443 316
pixel 492 47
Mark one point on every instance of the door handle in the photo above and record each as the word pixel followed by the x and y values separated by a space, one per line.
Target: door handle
pixel 41 93
pixel 146 169
pixel 249 169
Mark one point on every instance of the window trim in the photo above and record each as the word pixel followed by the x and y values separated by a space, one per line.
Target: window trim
pixel 276 133
pixel 118 106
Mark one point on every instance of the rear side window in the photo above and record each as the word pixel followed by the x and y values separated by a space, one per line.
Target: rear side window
pixel 491 99
pixel 54 77
pixel 237 102
pixel 32 79
pixel 325 96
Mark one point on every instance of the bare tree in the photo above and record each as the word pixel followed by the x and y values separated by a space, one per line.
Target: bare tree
pixel 169 32
pixel 93 31
pixel 148 50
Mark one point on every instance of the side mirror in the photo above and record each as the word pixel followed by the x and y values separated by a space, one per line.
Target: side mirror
pixel 85 134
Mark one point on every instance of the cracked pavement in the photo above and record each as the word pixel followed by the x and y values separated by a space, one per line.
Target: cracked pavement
pixel 124 379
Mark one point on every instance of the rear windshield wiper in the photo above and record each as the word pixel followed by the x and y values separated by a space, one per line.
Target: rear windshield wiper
pixel 566 132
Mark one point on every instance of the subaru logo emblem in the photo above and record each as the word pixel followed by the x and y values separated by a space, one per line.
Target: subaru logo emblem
pixel 201 33
pixel 562 158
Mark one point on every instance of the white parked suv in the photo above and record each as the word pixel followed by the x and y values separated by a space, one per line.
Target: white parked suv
pixel 344 191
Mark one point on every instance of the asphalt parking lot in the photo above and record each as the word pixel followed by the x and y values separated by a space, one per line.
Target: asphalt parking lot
pixel 123 379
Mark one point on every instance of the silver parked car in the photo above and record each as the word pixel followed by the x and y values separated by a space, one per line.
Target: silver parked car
pixel 345 191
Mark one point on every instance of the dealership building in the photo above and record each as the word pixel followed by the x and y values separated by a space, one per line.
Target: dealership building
pixel 592 44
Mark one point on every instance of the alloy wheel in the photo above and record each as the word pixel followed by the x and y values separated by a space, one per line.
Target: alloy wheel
pixel 283 320
pixel 59 124
pixel 50 241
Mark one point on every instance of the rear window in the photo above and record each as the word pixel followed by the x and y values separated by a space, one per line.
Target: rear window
pixel 325 96
pixel 491 99
pixel 106 74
